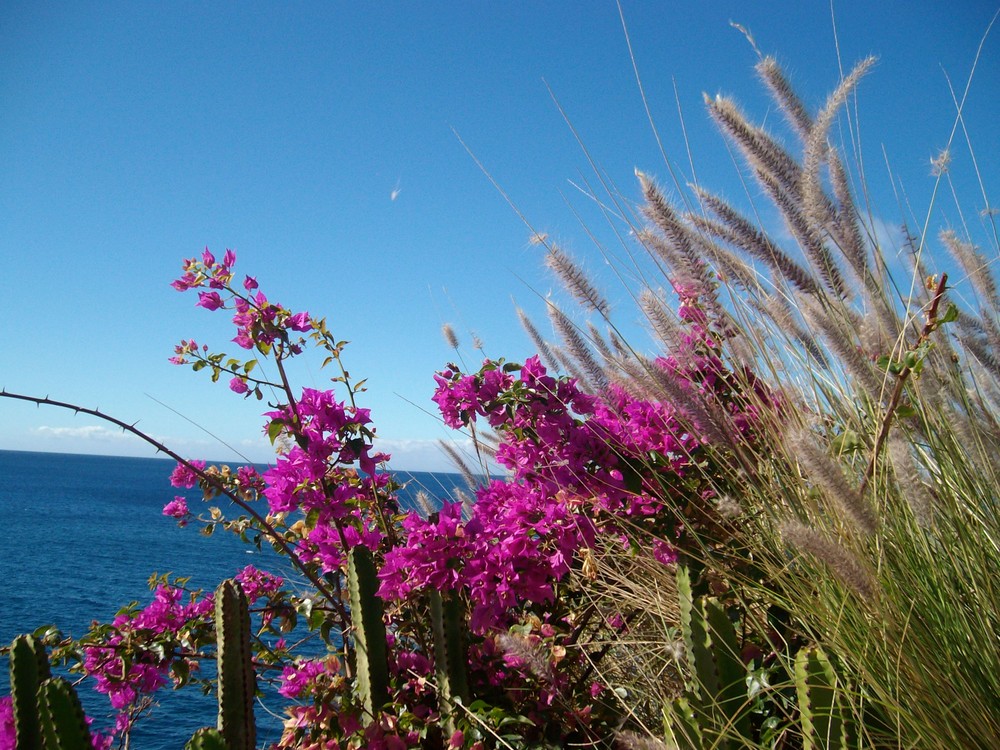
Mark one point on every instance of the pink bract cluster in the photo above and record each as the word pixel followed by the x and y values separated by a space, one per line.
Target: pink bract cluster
pixel 125 678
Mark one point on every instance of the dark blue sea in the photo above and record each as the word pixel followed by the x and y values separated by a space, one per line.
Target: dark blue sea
pixel 81 536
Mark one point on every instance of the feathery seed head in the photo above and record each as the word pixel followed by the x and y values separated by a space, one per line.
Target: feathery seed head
pixel 449 335
pixel 844 565
pixel 803 445
pixel 917 495
pixel 544 351
pixel 576 282
pixel 577 347
pixel 783 93
pixel 941 162
pixel 629 740
pixel 975 266
pixel 531 655
pixel 459 463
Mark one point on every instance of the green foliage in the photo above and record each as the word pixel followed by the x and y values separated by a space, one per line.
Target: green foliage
pixel 236 678
pixel 371 659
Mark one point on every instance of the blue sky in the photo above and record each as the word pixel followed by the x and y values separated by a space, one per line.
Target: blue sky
pixel 134 134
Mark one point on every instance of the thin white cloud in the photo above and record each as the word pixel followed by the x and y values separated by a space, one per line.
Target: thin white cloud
pixel 88 432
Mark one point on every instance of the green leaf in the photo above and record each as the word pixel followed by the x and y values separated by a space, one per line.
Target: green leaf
pixel 249 365
pixel 324 631
pixel 312 518
pixel 274 429
pixel 846 442
pixel 949 315
pixel 181 671
pixel 316 619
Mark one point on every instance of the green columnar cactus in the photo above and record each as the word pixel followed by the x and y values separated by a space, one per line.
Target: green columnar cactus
pixel 63 723
pixel 448 623
pixel 823 724
pixel 236 678
pixel 716 695
pixel 206 738
pixel 29 666
pixel 371 659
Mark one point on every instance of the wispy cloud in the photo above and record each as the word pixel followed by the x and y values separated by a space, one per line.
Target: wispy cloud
pixel 97 433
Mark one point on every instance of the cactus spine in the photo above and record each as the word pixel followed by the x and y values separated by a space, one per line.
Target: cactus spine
pixel 236 678
pixel 63 723
pixel 371 659
pixel 447 621
pixel 29 666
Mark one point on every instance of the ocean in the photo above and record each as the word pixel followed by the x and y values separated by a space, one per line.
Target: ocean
pixel 81 537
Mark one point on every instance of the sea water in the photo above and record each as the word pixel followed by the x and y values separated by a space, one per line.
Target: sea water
pixel 81 537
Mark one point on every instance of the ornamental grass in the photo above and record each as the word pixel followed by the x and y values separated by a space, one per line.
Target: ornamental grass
pixel 850 481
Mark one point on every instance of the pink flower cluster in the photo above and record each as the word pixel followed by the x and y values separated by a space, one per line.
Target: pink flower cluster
pixel 184 476
pixel 433 556
pixel 300 679
pixel 579 463
pixel 258 322
pixel 7 736
pixel 125 680
pixel 257 584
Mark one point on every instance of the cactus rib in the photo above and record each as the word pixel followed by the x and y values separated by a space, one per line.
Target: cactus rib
pixel 371 659
pixel 63 723
pixel 236 678
pixel 29 666
pixel 447 621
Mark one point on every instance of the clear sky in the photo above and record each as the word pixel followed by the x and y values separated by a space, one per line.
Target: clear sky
pixel 319 141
